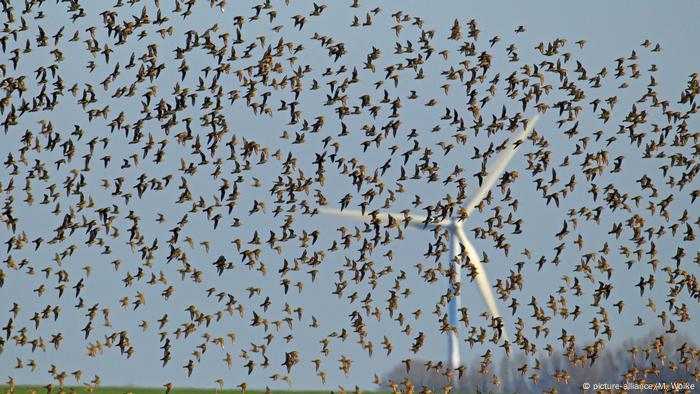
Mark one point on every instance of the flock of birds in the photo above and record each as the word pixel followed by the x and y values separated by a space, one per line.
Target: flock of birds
pixel 161 124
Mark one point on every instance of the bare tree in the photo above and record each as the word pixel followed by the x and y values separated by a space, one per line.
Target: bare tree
pixel 655 358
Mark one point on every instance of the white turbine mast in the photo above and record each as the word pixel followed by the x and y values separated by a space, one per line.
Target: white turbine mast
pixel 458 240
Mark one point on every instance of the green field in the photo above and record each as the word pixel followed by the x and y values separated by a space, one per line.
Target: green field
pixel 113 390
pixel 23 389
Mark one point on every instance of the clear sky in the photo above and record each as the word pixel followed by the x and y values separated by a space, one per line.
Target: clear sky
pixel 611 30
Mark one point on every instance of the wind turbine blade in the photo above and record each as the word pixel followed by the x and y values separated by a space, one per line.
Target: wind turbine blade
pixel 417 221
pixel 346 213
pixel 500 166
pixel 481 279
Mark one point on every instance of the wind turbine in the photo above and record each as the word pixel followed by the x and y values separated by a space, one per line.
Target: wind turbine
pixel 455 226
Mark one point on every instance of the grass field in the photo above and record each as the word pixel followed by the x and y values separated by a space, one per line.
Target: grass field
pixel 27 389
pixel 138 390
pixel 113 390
pixel 21 389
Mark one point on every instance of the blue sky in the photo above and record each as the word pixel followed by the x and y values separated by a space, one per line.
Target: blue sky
pixel 611 30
